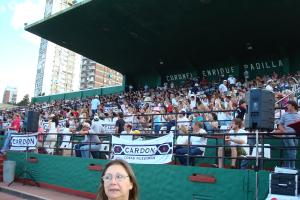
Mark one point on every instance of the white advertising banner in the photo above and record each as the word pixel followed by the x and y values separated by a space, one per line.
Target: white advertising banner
pixel 154 151
pixel 109 127
pixel 22 142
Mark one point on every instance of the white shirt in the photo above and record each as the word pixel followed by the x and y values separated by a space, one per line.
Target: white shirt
pixel 231 80
pixel 97 127
pixel 126 137
pixel 183 121
pixel 269 87
pixel 196 140
pixel 174 102
pixel 223 88
pixel 193 104
pixel 94 104
pixel 66 139
pixel 239 137
pixel 182 139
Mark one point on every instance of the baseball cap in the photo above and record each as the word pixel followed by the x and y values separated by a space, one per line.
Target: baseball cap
pixel 85 124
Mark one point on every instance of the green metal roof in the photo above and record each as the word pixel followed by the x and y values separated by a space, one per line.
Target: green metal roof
pixel 158 36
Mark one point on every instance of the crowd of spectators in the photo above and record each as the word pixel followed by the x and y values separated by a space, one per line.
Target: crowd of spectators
pixel 158 110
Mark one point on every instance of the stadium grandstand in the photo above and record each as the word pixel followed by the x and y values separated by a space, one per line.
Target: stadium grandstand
pixel 181 115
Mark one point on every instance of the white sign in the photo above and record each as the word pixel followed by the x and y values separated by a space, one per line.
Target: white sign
pixel 23 142
pixel 177 77
pixel 61 125
pixel 154 151
pixel 219 71
pixel 264 65
pixel 45 126
pixel 114 109
pixel 109 127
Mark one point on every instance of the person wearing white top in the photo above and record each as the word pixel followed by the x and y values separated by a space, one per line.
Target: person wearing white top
pixel 66 141
pixel 97 126
pixel 49 143
pixel 193 102
pixel 183 138
pixel 232 81
pixel 223 88
pixel 233 141
pixel 194 148
pixel 269 87
pixel 127 130
pixel 182 119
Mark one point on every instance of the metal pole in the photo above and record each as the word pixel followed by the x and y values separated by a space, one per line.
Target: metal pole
pixel 256 166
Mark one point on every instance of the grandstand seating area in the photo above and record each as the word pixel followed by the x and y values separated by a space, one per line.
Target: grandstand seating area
pixel 153 112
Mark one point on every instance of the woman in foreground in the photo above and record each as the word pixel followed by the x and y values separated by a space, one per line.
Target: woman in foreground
pixel 118 182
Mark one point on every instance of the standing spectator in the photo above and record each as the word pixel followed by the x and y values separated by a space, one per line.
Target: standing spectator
pixel 90 143
pixel 66 140
pixel 289 141
pixel 241 110
pixel 232 81
pixel 195 89
pixel 246 75
pixel 223 87
pixel 120 123
pixel 97 126
pixel 95 103
pixel 269 85
pixel 14 128
pixel 51 138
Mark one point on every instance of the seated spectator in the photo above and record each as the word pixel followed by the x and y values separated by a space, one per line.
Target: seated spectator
pixel 233 141
pixel 156 120
pixel 182 139
pixel 211 122
pixel 127 130
pixel 182 119
pixel 193 150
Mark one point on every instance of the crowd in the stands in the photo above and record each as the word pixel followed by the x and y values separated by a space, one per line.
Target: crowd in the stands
pixel 191 105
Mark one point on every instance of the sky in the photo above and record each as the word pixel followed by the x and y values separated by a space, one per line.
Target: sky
pixel 19 49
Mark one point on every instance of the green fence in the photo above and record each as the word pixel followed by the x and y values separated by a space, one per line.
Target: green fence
pixel 79 94
pixel 155 181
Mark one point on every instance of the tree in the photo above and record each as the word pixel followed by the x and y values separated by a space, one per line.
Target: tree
pixel 25 101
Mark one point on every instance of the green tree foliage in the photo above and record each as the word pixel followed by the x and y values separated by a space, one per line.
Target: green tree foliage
pixel 25 101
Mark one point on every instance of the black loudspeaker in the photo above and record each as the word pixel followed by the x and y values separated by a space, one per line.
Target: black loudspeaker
pixel 31 121
pixel 260 109
pixel 283 184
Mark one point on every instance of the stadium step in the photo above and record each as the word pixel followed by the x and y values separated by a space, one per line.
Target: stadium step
pixel 22 191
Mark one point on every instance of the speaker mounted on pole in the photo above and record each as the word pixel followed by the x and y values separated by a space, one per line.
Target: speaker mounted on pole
pixel 31 122
pixel 260 110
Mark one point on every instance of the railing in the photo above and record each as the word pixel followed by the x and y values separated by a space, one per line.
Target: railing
pixel 216 138
pixel 104 149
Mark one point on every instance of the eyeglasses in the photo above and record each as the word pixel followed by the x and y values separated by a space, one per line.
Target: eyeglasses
pixel 108 177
